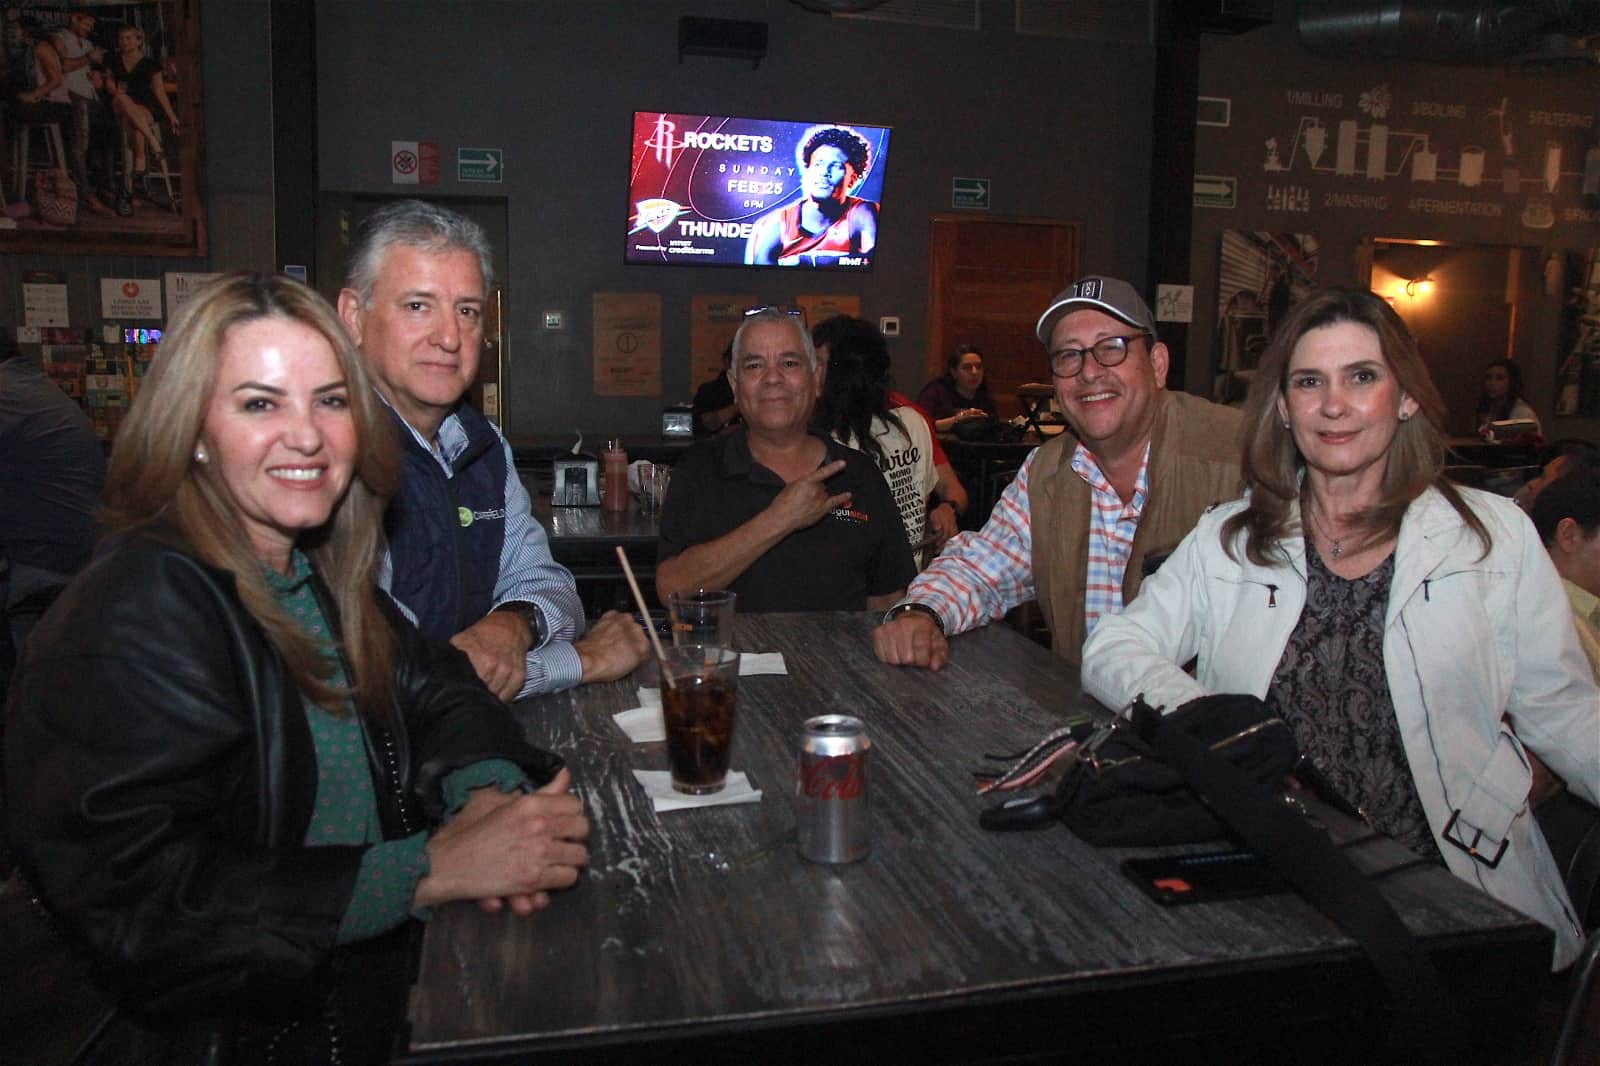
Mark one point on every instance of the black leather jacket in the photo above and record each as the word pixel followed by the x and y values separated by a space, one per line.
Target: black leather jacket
pixel 160 779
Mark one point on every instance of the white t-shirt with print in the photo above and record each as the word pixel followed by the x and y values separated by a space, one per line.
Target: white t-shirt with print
pixel 907 465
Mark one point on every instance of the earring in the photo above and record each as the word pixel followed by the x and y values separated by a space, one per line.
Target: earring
pixel 1404 416
pixel 200 455
pixel 1285 423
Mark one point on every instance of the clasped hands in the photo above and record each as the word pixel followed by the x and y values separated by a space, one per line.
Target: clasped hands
pixel 508 849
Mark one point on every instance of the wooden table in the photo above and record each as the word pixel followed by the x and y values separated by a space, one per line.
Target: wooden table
pixel 584 540
pixel 702 936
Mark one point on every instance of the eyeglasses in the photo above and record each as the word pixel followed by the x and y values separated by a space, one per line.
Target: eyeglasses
pixel 782 309
pixel 1108 352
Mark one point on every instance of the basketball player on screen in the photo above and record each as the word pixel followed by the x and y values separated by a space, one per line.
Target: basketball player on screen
pixel 827 223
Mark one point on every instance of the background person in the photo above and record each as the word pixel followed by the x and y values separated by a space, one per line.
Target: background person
pixel 1566 512
pixel 785 517
pixel 1568 455
pixel 854 409
pixel 227 758
pixel 52 468
pixel 713 409
pixel 72 43
pixel 1501 398
pixel 140 97
pixel 961 394
pixel 1401 625
pixel 413 301
pixel 827 222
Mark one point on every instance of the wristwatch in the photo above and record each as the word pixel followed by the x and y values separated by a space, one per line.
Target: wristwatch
pixel 921 608
pixel 528 612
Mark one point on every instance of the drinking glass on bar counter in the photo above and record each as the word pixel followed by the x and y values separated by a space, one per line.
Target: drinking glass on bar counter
pixel 704 616
pixel 653 486
pixel 697 707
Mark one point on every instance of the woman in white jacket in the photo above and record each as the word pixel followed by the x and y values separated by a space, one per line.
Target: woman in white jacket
pixel 1413 633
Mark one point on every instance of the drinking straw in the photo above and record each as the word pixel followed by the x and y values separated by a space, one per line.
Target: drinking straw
pixel 644 613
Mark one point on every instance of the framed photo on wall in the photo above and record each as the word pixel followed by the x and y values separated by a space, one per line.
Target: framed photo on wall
pixel 100 128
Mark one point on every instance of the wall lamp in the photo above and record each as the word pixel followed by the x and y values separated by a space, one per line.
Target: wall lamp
pixel 1422 286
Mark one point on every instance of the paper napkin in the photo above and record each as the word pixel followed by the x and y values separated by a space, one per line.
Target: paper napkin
pixel 658 786
pixel 752 663
pixel 642 724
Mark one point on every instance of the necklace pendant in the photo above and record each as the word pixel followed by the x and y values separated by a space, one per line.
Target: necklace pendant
pixel 1337 549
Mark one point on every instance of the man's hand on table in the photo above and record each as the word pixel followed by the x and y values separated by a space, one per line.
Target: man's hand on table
pixel 508 849
pixel 613 647
pixel 498 646
pixel 913 639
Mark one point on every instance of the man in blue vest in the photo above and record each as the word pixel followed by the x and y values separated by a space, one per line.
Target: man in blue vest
pixel 466 558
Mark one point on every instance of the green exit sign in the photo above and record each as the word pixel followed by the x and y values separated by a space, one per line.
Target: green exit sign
pixel 971 194
pixel 480 164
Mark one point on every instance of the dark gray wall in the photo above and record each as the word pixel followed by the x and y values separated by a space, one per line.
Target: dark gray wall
pixel 1275 85
pixel 1062 128
pixel 236 75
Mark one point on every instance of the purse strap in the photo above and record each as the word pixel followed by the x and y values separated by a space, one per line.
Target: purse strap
pixel 1426 1026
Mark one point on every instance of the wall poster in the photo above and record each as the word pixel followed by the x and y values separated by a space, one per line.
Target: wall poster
pixel 1262 275
pixel 627 344
pixel 1578 362
pixel 713 320
pixel 103 128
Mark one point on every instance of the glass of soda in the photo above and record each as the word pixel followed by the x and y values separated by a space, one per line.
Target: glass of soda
pixel 697 705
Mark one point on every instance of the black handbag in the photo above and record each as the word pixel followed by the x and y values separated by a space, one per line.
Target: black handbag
pixel 1120 793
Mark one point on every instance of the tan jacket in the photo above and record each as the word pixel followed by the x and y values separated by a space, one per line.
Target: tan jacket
pixel 1194 463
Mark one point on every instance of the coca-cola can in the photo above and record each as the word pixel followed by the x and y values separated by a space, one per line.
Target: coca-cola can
pixel 830 790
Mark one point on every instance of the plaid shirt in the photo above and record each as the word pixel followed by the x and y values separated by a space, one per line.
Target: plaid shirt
pixel 1111 528
pixel 980 576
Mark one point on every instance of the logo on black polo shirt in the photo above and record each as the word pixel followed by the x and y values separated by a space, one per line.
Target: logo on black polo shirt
pixel 466 515
pixel 845 514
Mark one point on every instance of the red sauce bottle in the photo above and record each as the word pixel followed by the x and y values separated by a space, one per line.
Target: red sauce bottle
pixel 616 471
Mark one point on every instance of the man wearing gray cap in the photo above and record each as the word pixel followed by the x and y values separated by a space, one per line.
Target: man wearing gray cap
pixel 1074 528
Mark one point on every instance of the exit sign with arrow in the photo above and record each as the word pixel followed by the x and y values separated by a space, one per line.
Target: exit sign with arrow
pixel 480 164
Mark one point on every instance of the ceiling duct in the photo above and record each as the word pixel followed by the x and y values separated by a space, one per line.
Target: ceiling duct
pixel 839 7
pixel 1463 31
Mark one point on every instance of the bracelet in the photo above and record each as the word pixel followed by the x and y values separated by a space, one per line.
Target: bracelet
pixel 921 608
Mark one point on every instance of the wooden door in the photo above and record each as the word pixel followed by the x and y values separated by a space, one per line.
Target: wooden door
pixel 989 280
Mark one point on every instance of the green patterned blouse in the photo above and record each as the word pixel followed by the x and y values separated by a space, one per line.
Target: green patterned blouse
pixel 347 805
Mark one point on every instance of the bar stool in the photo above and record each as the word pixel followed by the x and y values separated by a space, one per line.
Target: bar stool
pixel 154 158
pixel 54 145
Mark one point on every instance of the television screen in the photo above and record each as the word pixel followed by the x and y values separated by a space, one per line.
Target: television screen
pixel 706 189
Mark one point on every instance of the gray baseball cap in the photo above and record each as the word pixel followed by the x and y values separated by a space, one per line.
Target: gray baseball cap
pixel 1112 295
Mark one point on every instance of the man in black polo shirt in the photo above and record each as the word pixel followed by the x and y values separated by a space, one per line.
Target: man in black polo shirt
pixel 787 518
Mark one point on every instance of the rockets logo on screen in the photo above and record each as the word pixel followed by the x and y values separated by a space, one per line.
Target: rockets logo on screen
pixel 753 192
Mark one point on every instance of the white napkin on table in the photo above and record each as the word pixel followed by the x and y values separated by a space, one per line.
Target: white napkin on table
pixel 658 786
pixel 643 723
pixel 753 663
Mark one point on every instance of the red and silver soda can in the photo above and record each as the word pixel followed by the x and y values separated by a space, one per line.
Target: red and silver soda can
pixel 830 793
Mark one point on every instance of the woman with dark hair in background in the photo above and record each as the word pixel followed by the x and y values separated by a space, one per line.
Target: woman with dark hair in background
pixel 1501 399
pixel 961 394
pixel 1412 633
pixel 233 773
pixel 854 410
